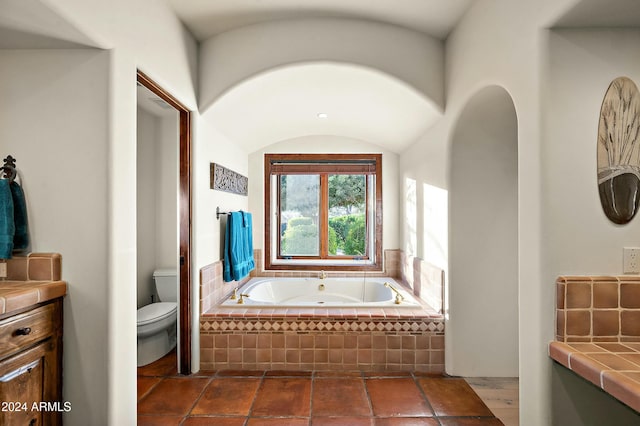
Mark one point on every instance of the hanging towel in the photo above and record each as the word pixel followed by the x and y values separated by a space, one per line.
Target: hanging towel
pixel 7 224
pixel 21 237
pixel 238 247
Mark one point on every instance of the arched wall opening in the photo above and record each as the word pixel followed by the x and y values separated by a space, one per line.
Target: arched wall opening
pixel 359 102
pixel 271 45
pixel 482 329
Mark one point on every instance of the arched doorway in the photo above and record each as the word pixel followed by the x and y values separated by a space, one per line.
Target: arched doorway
pixel 482 331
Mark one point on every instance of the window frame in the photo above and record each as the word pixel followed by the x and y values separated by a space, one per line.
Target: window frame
pixel 324 165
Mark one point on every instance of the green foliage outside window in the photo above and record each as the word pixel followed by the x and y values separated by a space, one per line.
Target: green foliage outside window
pixel 301 238
pixel 355 242
pixel 350 232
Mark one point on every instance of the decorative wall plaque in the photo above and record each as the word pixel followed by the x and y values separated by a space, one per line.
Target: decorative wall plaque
pixel 227 180
pixel 619 151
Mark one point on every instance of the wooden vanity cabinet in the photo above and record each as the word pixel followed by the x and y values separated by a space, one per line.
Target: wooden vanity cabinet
pixel 31 366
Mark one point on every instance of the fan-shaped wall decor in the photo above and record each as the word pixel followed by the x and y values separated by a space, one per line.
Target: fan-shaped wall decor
pixel 619 151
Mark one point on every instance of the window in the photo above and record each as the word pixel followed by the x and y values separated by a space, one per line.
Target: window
pixel 323 211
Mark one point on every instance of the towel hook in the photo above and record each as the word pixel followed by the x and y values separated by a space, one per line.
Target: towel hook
pixel 9 168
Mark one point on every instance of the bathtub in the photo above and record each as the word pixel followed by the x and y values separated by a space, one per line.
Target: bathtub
pixel 357 292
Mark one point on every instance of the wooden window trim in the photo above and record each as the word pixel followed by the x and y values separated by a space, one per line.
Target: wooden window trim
pixel 350 166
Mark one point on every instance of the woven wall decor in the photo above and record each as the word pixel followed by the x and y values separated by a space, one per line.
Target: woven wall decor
pixel 227 180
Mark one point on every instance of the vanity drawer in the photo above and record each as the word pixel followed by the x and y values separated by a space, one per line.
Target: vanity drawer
pixel 25 329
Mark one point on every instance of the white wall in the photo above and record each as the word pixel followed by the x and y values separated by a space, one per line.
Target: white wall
pixel 411 56
pixel 483 266
pixel 502 42
pixel 327 144
pixel 167 195
pixel 167 53
pixel 157 199
pixel 147 134
pixel 53 119
pixel 578 238
pixel 216 148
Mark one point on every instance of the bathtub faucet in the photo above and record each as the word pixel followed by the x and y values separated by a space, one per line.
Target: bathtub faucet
pixel 399 297
pixel 323 275
pixel 241 300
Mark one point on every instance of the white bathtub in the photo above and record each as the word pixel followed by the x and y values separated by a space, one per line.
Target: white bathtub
pixel 316 293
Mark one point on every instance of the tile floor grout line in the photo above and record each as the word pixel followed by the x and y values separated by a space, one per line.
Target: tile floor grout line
pixel 424 395
pixel 313 386
pixel 366 392
pixel 199 396
pixel 255 396
pixel 148 390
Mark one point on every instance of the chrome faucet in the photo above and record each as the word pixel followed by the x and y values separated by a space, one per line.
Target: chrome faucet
pixel 399 297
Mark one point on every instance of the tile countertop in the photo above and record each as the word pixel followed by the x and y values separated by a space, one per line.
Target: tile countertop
pixel 15 295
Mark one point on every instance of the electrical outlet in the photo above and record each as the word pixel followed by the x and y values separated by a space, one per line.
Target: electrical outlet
pixel 631 260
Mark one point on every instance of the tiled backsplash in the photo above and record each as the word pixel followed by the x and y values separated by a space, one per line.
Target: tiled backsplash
pixel 598 332
pixel 426 280
pixel 35 267
pixel 598 309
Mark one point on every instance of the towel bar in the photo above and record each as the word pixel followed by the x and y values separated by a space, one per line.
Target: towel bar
pixel 218 213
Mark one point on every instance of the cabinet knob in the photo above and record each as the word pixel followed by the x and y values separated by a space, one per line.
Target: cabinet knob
pixel 23 331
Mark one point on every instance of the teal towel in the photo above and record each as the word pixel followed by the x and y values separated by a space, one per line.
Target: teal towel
pixel 7 223
pixel 21 237
pixel 238 247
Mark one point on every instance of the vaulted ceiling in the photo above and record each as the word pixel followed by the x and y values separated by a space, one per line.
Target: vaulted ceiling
pixel 359 103
pixel 206 18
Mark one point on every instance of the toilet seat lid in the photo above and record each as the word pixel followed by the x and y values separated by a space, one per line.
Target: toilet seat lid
pixel 155 312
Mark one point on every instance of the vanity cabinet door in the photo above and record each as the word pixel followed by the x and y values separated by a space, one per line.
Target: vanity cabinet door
pixel 25 382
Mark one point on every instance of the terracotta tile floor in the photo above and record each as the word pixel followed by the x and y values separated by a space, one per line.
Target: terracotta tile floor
pixel 256 398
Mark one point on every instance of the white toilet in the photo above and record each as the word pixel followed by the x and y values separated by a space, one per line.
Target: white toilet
pixel 157 321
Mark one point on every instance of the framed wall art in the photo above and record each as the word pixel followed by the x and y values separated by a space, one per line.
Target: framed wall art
pixel 619 151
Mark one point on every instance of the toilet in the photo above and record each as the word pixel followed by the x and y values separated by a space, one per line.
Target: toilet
pixel 157 321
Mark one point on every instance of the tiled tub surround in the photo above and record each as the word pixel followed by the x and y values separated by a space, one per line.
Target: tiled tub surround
pixel 321 339
pixel 316 339
pixel 598 332
pixel 327 293
pixel 425 280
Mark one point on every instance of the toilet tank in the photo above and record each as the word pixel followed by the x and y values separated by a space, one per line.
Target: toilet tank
pixel 166 282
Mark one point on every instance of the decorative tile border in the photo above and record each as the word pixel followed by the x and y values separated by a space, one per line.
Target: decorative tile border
pixel 318 324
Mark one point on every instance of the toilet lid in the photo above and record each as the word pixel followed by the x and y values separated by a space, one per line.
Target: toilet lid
pixel 155 312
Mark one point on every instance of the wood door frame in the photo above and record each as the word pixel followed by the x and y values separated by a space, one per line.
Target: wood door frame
pixel 185 201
